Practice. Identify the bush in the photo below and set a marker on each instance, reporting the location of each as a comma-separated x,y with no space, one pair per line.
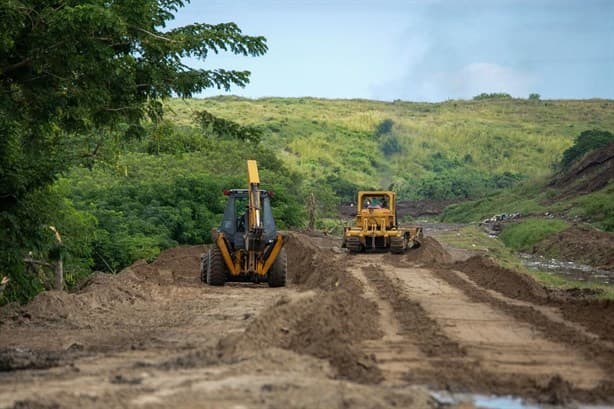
492,95
384,127
390,145
585,142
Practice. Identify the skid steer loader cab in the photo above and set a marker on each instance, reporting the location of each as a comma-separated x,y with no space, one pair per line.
235,221
247,245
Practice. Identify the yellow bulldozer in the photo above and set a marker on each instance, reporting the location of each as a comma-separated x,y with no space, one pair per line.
376,226
247,245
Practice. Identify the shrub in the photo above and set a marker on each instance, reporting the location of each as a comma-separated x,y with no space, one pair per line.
492,95
585,142
384,127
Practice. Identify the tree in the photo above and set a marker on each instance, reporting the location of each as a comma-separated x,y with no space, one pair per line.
587,141
70,67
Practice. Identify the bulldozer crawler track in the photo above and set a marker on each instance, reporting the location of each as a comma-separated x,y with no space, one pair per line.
353,244
398,245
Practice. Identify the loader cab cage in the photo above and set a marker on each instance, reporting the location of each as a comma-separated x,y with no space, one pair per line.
235,220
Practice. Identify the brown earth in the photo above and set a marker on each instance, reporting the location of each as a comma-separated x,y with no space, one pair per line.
591,173
364,331
580,244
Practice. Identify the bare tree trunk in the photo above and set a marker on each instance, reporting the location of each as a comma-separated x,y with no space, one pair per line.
59,264
59,274
312,212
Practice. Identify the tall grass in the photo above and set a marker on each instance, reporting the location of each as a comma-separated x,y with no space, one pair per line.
522,236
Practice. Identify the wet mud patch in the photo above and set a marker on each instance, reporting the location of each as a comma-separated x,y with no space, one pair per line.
580,244
453,369
414,321
328,324
576,305
592,349
486,273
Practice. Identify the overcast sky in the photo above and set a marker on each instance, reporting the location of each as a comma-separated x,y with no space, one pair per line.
421,50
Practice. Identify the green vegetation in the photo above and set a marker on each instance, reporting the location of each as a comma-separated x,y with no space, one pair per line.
493,95
452,150
521,236
76,79
86,147
584,143
537,197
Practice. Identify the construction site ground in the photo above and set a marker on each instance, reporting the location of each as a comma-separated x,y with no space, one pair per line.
349,331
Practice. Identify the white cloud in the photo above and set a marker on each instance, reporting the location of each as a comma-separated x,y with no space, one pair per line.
488,77
464,83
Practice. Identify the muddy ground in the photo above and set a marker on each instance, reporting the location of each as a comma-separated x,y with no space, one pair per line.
365,331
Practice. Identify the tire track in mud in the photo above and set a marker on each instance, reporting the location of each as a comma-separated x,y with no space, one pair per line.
591,348
445,362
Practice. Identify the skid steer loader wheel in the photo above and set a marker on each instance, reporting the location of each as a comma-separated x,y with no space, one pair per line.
277,273
216,269
204,263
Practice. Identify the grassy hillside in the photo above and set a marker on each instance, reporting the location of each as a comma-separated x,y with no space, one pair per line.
454,149
130,198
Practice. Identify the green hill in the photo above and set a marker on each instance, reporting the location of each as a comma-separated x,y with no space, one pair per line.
129,198
449,150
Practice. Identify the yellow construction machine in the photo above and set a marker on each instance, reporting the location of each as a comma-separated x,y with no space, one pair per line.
376,226
247,245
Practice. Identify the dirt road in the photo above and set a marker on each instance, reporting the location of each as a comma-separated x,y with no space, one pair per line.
367,330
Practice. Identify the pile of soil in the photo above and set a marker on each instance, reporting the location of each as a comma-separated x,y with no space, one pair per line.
590,174
430,252
577,306
328,324
486,273
580,244
312,267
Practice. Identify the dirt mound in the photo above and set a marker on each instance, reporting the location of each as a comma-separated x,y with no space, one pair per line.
176,265
311,266
430,252
102,292
590,174
581,245
485,272
327,324
576,305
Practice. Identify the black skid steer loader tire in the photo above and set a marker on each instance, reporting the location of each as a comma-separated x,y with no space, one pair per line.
204,264
277,273
216,268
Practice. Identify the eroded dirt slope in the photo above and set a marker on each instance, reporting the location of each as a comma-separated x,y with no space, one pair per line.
367,330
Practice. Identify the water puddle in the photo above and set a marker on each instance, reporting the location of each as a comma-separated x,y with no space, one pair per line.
483,401
500,402
567,269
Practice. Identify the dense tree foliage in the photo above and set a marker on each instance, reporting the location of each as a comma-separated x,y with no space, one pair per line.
584,143
492,95
75,75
